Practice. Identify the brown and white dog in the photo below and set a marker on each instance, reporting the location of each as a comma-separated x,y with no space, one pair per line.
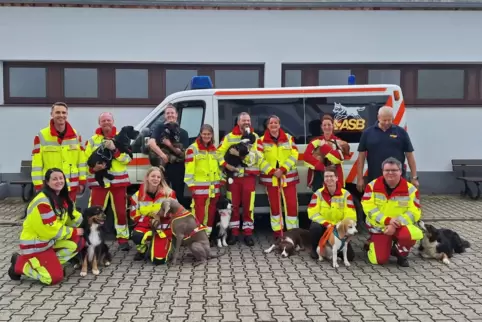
337,241
343,145
293,240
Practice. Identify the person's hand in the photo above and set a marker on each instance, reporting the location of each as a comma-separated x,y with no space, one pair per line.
79,231
154,222
390,230
278,173
233,151
99,166
415,182
395,223
231,168
164,157
109,144
360,183
178,151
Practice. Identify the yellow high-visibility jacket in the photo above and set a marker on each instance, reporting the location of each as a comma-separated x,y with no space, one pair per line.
403,204
330,210
119,162
67,154
254,160
42,227
202,172
282,154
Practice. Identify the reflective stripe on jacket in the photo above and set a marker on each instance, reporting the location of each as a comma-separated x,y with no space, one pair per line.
403,204
330,210
50,151
252,159
282,154
119,162
202,174
332,154
143,207
42,227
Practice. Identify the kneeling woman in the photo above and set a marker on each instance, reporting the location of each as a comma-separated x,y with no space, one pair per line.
151,242
329,205
50,236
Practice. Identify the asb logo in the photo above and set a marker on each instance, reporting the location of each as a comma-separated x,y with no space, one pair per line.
348,118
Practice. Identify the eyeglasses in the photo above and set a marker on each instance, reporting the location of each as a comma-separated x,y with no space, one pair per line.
391,170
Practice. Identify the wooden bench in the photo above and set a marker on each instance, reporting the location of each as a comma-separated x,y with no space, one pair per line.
25,181
471,171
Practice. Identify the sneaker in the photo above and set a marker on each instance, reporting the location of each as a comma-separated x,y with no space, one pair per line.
232,240
11,271
403,262
124,247
139,256
249,241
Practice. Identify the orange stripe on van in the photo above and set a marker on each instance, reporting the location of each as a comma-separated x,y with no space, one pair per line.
300,91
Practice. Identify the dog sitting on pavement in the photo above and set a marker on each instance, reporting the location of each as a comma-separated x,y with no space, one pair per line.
220,229
187,231
440,243
337,239
292,240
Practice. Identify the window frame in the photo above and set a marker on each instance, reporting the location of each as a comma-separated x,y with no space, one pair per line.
106,81
408,80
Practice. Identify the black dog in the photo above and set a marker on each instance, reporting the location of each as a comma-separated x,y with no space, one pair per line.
220,227
172,132
122,142
441,243
247,140
96,250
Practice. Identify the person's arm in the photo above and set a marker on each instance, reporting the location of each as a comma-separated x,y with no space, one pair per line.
350,210
222,149
414,212
362,151
371,209
37,164
408,149
76,221
291,162
309,160
157,130
314,210
82,163
48,227
134,208
190,166
184,138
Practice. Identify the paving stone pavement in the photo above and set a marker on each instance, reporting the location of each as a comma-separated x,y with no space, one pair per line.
248,285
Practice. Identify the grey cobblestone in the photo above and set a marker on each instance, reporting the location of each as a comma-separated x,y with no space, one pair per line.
248,285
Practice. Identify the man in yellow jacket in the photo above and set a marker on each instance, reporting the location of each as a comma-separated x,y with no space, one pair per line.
59,146
392,206
115,190
242,190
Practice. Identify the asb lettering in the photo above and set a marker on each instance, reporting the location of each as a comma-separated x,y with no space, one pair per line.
350,125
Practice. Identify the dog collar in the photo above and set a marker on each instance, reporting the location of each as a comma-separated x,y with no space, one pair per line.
343,240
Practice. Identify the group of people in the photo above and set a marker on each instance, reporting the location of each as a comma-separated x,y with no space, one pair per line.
59,171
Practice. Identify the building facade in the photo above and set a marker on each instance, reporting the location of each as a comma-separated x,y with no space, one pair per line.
126,60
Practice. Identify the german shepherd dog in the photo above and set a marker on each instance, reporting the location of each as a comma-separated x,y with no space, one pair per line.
96,250
122,142
247,140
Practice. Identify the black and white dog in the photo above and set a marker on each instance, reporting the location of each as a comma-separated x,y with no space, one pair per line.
96,250
122,142
172,132
440,243
247,140
220,230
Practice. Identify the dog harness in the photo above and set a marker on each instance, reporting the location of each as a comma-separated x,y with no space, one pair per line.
182,213
326,236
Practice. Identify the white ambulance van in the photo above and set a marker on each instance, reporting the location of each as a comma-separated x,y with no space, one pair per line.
354,108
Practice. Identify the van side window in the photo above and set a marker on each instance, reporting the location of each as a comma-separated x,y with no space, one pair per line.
289,110
191,117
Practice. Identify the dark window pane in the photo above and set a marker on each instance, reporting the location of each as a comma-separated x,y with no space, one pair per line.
28,82
328,77
178,79
132,83
441,84
289,110
236,78
384,76
292,78
80,82
352,115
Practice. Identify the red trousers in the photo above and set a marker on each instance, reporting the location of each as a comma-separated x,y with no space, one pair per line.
205,210
290,202
242,193
380,245
118,196
46,266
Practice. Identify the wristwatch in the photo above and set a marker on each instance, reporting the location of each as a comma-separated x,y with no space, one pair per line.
415,178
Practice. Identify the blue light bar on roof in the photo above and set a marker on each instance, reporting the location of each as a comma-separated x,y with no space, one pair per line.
201,82
351,80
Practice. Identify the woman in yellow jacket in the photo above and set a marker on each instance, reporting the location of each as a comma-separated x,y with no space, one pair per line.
202,176
50,236
144,204
329,205
280,151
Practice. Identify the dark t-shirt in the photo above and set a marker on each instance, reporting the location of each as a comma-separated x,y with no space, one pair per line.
380,145
157,130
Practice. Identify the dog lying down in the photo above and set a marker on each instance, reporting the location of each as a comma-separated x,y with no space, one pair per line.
338,241
440,243
187,231
122,142
293,240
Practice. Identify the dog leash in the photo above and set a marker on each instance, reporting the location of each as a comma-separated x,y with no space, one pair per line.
280,194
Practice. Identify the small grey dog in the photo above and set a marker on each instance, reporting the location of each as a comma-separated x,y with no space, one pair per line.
187,231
